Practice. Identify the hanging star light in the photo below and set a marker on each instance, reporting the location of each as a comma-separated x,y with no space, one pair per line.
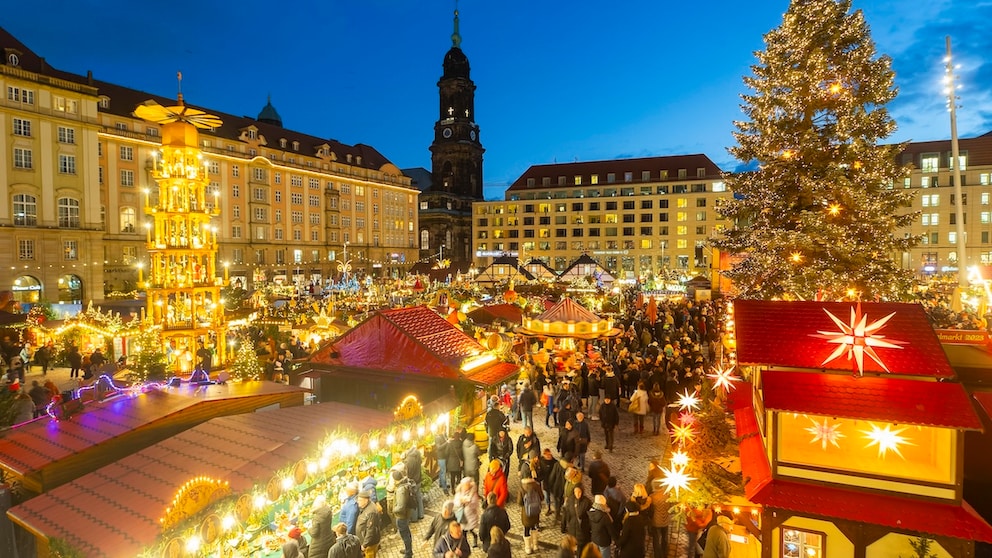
687,401
675,479
687,418
825,433
680,459
682,433
858,338
723,379
886,439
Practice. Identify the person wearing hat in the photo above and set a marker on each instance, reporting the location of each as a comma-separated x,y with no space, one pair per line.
496,483
602,531
295,545
349,507
347,545
718,538
368,528
402,508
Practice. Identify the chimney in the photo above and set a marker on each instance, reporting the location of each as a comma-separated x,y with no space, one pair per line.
89,77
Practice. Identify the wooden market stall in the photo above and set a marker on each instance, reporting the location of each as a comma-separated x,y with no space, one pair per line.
144,500
44,453
852,434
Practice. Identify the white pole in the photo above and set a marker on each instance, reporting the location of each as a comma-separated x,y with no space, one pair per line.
956,171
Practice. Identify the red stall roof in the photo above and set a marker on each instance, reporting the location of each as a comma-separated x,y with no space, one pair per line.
883,398
813,337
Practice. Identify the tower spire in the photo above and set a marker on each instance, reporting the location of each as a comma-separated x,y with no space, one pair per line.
179,96
456,38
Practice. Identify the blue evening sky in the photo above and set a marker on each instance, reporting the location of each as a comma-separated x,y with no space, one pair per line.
557,80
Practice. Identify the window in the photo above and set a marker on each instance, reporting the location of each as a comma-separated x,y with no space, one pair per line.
127,153
277,216
70,250
799,543
930,162
67,135
296,199
297,217
128,220
297,235
23,158
127,178
346,189
314,201
67,164
278,195
700,215
213,167
952,238
315,218
628,176
985,198
68,209
129,254
121,126
236,231
20,95
25,249
296,180
22,127
930,200
260,175
235,191
278,233
25,210
261,214
258,194
314,183
238,255
235,171
236,211
930,219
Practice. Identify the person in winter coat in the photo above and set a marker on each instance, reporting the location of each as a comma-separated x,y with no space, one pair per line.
454,543
573,478
500,547
546,466
659,520
496,484
568,548
369,524
631,540
695,521
470,458
347,545
503,449
530,491
468,508
322,535
657,405
609,419
575,520
611,385
639,407
602,530
528,445
295,545
441,454
557,483
403,509
414,472
718,539
526,402
349,508
454,463
439,525
616,500
599,473
493,516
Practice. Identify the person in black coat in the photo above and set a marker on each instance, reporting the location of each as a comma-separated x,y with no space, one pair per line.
322,535
609,418
454,463
575,520
602,532
632,533
493,516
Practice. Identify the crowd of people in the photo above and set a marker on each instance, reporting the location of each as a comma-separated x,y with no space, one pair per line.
565,492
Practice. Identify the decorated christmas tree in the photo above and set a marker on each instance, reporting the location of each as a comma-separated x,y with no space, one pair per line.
245,365
820,215
146,360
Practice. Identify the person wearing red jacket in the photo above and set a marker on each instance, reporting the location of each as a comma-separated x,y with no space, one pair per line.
495,483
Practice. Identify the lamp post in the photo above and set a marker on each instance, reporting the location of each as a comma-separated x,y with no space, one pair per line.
956,167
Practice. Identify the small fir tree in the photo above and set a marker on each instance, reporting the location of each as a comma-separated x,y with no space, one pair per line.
245,365
146,360
820,215
921,548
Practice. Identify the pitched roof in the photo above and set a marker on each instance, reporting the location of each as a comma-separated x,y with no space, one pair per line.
115,510
420,343
761,324
568,311
883,398
493,273
488,314
573,270
905,515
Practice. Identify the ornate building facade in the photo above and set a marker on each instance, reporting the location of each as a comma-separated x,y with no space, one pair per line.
75,162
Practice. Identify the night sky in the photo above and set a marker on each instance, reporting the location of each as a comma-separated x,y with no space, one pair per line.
557,81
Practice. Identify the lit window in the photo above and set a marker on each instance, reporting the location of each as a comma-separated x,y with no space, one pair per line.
930,162
68,209
25,249
797,543
67,164
70,249
25,209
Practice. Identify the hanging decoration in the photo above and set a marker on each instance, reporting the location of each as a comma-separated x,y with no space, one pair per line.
886,439
825,433
858,338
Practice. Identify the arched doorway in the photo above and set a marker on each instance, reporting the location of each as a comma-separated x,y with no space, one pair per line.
70,289
27,289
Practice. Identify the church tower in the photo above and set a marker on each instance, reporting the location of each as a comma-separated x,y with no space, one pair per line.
456,153
455,179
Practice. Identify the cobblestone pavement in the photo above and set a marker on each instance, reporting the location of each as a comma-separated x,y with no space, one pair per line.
628,463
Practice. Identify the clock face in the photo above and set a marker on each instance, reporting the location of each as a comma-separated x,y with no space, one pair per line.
446,133
472,133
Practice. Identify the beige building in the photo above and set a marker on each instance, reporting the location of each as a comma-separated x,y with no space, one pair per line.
76,164
636,217
931,177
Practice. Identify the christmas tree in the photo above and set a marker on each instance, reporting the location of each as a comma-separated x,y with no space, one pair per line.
245,365
146,360
820,215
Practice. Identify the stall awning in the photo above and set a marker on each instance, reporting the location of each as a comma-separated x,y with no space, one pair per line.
884,398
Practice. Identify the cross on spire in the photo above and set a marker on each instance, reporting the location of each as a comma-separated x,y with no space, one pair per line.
456,38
